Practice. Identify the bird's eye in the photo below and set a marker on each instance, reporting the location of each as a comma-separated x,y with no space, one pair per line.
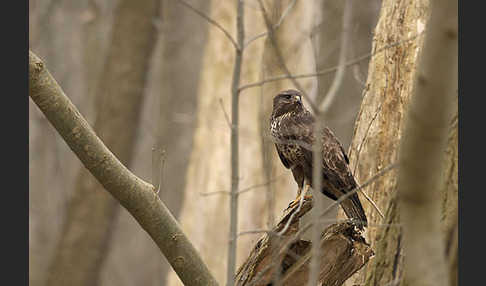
288,96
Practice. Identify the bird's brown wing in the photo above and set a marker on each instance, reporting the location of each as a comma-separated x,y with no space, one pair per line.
337,177
335,168
284,160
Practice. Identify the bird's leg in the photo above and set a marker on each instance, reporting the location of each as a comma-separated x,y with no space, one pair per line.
301,196
296,200
307,194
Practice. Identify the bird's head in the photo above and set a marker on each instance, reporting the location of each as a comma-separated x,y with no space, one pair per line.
287,101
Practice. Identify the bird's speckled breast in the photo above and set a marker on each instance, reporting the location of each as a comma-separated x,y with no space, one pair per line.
292,152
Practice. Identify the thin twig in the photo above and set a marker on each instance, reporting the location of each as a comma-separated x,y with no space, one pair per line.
275,27
338,79
211,21
254,231
350,193
259,185
372,203
327,70
158,162
280,57
358,76
365,136
244,190
204,194
224,112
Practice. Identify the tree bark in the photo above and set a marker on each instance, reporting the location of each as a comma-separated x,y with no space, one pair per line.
422,148
137,196
343,252
378,131
206,217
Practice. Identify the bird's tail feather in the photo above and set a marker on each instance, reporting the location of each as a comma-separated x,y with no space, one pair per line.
353,209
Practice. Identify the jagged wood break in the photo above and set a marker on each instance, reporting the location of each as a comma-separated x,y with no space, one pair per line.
343,252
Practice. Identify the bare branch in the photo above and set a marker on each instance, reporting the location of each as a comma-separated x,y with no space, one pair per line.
365,136
280,58
244,190
328,70
235,94
259,185
360,187
136,195
275,27
255,231
338,79
214,193
372,203
158,162
224,112
211,21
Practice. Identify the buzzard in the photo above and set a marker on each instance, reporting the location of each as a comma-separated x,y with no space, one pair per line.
292,128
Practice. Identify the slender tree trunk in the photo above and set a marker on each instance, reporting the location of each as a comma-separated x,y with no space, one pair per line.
378,131
167,123
206,218
91,212
209,169
292,36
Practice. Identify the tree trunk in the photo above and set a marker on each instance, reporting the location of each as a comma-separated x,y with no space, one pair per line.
326,37
208,168
167,122
422,149
206,218
295,20
378,131
91,212
55,29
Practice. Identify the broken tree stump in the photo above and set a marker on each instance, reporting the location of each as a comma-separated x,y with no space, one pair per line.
343,252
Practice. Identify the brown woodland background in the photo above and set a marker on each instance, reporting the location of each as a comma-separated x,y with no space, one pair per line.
153,75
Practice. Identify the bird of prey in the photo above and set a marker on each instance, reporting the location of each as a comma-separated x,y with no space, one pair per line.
292,128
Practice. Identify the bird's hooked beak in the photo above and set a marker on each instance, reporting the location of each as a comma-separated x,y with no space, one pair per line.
298,99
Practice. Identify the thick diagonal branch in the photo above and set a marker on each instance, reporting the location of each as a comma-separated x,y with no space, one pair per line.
136,195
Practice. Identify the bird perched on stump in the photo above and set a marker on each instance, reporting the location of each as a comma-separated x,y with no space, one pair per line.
292,128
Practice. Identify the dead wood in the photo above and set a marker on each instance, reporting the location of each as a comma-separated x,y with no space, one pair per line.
343,252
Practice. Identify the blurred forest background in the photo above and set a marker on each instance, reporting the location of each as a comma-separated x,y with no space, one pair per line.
155,75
